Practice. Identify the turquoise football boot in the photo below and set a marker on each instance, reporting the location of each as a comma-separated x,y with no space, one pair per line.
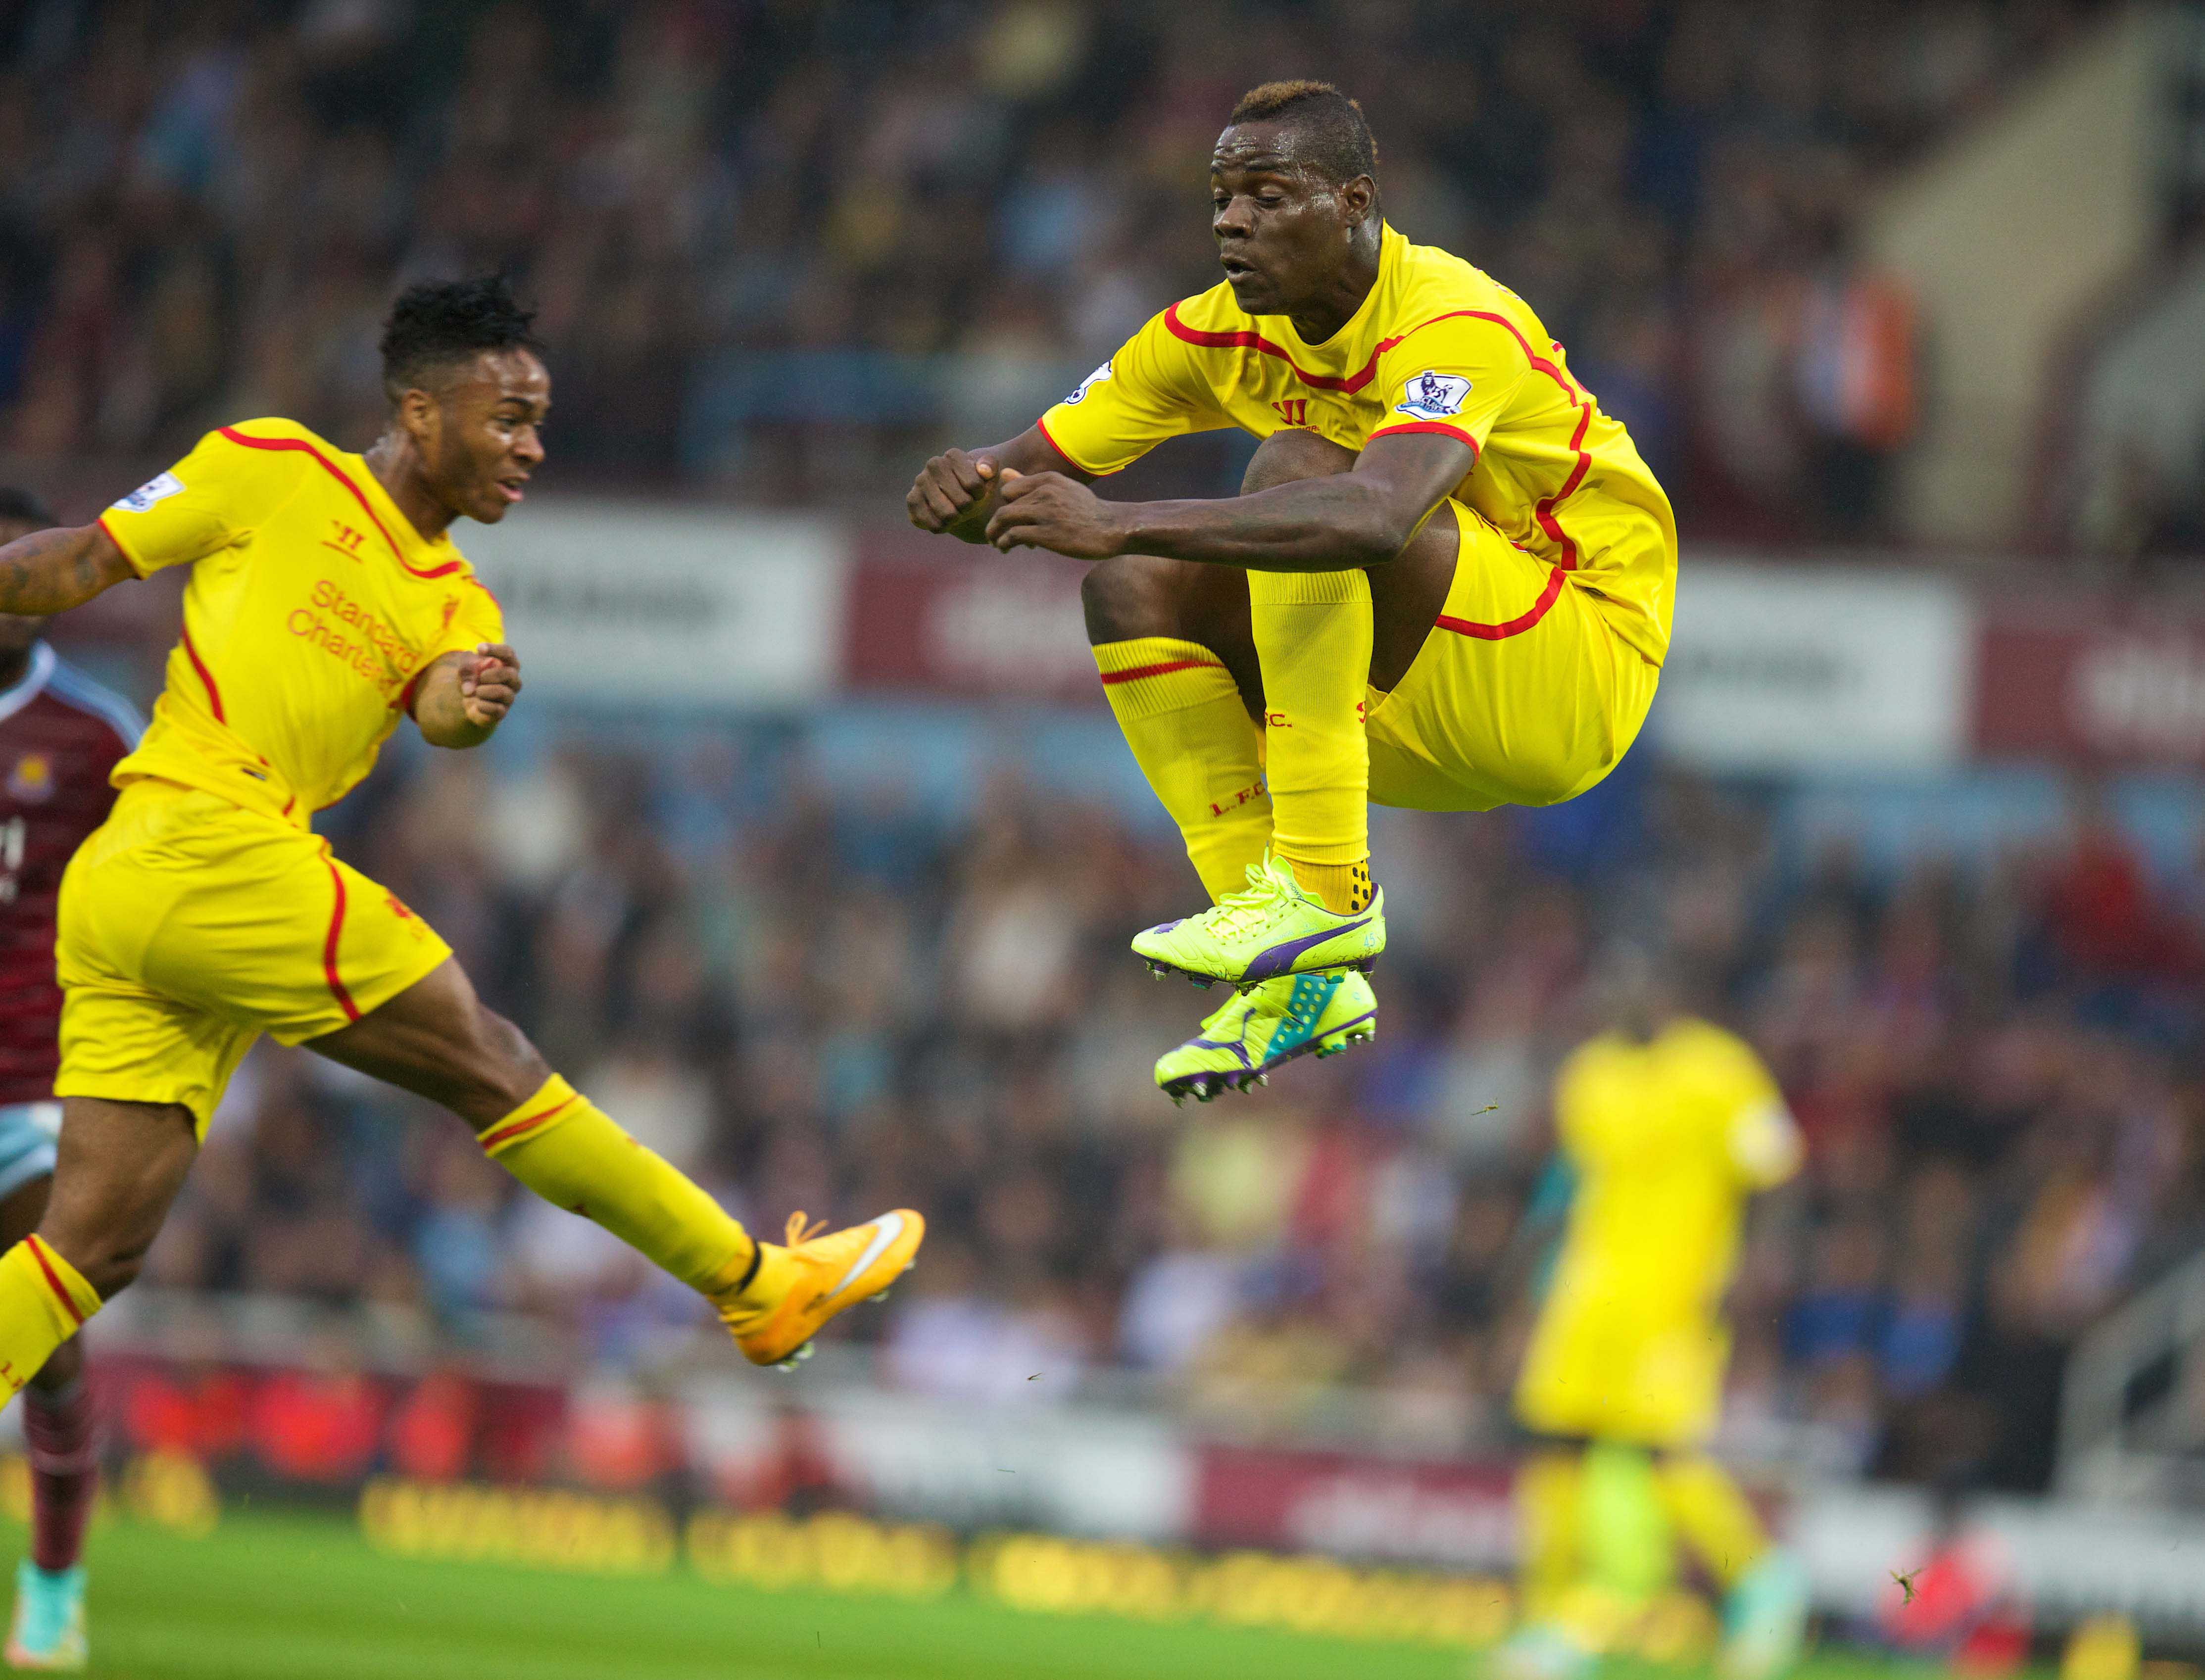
1765,1619
48,1632
1269,928
1306,1014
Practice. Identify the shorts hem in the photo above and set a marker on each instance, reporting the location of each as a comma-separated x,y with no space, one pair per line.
367,998
102,1090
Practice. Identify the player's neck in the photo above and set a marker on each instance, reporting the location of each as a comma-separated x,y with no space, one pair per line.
15,664
1344,289
397,466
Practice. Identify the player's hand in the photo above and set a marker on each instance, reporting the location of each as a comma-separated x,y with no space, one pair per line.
1047,510
951,494
489,682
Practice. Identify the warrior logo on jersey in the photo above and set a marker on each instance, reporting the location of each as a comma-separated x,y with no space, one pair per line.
1089,382
32,782
1433,396
155,489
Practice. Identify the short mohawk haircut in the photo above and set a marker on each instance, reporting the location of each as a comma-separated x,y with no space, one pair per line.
440,321
1334,136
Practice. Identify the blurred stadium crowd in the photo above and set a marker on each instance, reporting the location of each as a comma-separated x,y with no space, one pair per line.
841,1004
774,241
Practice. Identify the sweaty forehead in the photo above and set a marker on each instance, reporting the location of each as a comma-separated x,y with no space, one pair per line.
1256,148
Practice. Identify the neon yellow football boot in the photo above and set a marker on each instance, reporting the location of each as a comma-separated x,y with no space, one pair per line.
799,1286
1269,928
1296,1015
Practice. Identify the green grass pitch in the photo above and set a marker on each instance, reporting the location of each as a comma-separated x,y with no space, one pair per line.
295,1598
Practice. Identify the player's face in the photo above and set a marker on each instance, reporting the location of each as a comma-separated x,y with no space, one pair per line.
17,632
486,438
1282,230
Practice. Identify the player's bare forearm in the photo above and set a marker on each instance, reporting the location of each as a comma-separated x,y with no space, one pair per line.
1333,523
54,570
956,492
465,696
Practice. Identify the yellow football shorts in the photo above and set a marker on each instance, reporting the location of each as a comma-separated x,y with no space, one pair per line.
188,927
1522,694
1614,1369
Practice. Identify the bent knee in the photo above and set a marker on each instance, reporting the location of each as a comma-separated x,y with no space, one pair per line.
495,1069
1130,595
1287,457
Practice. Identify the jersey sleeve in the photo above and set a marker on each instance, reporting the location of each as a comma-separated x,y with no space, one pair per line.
479,619
203,503
1455,376
1151,390
1760,1136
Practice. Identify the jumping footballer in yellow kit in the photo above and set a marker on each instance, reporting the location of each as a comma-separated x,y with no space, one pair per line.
1666,1127
327,602
1446,585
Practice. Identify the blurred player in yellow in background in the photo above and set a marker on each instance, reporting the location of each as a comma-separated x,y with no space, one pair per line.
1667,1125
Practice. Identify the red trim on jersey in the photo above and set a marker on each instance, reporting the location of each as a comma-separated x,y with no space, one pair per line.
1254,340
406,695
1539,363
38,1253
329,949
1163,670
1439,426
1544,513
214,694
1071,460
135,570
1515,626
513,1129
298,445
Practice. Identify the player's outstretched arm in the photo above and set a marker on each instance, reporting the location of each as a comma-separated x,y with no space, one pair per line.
956,493
51,570
1349,519
465,696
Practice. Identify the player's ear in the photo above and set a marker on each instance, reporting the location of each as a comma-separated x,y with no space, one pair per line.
1356,198
418,417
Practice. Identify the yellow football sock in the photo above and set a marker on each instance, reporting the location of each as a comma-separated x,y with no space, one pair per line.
1194,740
1715,1518
571,1153
1313,632
1549,1508
44,1300
1628,1549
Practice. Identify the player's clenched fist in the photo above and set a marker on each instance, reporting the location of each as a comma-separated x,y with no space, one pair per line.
954,494
490,683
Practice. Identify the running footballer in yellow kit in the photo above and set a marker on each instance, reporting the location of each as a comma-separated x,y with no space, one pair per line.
1446,585
327,603
1665,1127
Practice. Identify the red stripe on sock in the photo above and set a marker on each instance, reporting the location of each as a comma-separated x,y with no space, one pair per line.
38,1253
1162,670
511,1129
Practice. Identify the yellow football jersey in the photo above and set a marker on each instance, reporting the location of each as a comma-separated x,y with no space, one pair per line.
313,607
1669,1139
1437,346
